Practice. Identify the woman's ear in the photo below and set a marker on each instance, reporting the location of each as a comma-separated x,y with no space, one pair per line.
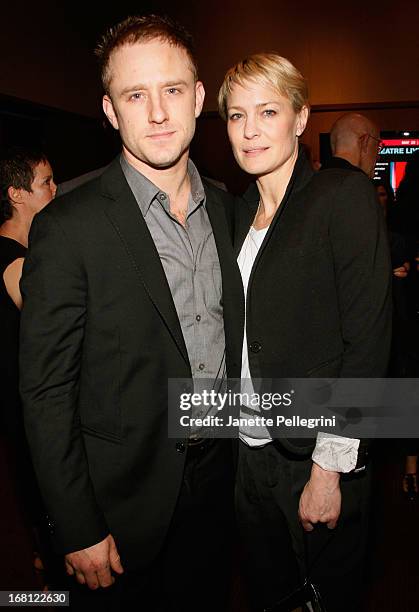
302,119
15,195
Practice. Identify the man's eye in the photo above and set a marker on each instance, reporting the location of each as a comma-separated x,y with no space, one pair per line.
173,90
235,116
269,112
136,96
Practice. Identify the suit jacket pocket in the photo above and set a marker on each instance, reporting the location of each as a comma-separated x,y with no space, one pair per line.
302,250
326,369
103,435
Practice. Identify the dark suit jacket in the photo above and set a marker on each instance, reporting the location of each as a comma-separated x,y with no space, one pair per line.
99,339
319,296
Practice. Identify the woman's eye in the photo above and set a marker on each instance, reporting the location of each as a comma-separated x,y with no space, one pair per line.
269,112
235,116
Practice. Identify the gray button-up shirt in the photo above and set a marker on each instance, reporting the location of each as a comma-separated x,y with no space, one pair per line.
190,261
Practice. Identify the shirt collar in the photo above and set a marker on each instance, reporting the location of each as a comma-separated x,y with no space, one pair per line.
145,191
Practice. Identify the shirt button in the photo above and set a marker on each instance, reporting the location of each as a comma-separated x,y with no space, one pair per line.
201,366
180,447
198,317
255,347
162,196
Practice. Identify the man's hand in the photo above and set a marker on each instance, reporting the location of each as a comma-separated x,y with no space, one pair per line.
92,566
320,500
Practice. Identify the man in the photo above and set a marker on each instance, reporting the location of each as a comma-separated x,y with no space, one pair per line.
355,142
122,291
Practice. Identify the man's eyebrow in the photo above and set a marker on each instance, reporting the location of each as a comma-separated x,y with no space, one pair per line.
174,83
142,87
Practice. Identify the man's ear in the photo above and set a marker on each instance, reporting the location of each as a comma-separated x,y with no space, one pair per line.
363,143
302,119
109,111
199,98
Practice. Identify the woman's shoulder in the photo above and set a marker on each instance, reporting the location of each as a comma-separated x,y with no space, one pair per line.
10,250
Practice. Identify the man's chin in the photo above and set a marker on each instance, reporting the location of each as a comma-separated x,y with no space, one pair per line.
162,162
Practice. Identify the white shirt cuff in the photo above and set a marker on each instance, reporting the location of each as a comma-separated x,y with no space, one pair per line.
336,453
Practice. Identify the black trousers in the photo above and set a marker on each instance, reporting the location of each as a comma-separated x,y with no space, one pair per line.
193,571
276,557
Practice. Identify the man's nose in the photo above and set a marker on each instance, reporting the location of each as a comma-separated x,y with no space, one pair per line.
157,110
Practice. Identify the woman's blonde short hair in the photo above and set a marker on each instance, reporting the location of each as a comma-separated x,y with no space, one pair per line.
268,69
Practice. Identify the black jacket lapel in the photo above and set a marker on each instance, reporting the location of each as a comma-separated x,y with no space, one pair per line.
128,221
233,297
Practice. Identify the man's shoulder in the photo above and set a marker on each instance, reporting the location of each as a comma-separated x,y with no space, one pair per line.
86,199
342,177
216,190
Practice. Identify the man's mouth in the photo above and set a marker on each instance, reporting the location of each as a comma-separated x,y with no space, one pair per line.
161,135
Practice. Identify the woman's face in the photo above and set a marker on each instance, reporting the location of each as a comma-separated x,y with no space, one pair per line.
263,128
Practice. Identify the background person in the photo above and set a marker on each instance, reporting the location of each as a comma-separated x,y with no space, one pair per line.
355,142
27,185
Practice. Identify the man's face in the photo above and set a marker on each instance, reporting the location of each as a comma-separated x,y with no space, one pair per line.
154,102
43,188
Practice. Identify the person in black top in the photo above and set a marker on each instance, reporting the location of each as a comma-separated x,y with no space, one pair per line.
313,255
27,185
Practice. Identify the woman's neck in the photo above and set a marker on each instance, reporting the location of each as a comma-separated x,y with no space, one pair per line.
17,230
272,188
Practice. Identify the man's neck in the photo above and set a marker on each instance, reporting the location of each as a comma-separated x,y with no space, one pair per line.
350,156
173,180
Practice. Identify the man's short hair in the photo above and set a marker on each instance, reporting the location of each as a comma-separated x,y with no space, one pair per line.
17,167
142,28
268,69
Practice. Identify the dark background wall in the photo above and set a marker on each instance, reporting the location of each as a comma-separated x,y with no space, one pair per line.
362,55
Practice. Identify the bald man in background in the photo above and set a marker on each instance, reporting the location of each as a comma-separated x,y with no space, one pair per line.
355,142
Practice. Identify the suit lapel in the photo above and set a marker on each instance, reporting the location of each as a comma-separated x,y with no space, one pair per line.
128,221
245,213
233,297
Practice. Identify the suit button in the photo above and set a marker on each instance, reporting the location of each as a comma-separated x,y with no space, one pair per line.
255,347
180,447
51,525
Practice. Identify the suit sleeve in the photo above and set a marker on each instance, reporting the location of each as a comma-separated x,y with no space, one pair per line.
363,278
363,284
54,289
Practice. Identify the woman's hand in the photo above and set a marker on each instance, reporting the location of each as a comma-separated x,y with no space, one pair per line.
320,501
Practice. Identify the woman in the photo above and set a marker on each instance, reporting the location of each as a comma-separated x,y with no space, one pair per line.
27,185
314,262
